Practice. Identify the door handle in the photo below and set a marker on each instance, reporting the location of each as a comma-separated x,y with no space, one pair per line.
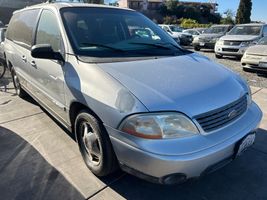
33,63
24,58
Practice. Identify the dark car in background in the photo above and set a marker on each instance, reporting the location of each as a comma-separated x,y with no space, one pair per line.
209,37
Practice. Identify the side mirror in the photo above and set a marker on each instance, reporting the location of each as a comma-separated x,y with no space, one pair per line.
45,51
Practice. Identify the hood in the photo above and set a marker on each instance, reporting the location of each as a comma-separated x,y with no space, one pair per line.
210,35
191,84
182,33
257,50
240,37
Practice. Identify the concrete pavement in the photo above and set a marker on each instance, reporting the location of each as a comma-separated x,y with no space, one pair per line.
40,160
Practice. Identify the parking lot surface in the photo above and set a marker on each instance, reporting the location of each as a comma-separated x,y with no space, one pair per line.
40,160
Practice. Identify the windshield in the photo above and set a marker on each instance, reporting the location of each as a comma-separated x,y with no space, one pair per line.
175,29
263,41
109,32
246,30
216,30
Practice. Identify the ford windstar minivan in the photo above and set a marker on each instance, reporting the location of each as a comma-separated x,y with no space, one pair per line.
133,99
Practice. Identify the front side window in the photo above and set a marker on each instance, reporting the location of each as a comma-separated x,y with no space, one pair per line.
246,30
109,32
48,31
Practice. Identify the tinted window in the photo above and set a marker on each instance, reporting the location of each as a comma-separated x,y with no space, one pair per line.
265,31
21,27
48,31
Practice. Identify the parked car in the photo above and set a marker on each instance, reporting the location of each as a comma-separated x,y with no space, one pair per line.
140,103
255,56
236,42
209,37
193,32
175,31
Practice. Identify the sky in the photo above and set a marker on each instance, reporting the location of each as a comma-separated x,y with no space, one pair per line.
259,8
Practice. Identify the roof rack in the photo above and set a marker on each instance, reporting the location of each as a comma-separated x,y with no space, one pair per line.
66,1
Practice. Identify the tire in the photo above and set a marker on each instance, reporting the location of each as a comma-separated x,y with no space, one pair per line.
219,56
2,68
196,48
19,91
94,144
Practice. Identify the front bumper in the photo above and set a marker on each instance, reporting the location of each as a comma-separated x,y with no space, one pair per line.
204,45
193,155
230,50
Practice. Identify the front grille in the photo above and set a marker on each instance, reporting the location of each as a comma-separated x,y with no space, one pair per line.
230,50
232,43
220,117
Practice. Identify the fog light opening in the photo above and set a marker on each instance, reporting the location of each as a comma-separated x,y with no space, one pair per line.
173,179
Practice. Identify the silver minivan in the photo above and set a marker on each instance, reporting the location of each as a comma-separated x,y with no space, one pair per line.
133,100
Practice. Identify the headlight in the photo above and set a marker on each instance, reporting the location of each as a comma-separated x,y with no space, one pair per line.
214,39
246,86
219,42
263,64
159,126
248,43
196,39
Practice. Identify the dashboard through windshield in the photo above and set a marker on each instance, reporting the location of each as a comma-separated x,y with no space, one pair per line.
111,32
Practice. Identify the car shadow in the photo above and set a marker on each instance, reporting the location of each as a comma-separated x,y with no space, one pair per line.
244,178
25,174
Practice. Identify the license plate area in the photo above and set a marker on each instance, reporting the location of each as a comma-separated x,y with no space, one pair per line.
244,144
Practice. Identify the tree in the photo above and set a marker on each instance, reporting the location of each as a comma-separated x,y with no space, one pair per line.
244,12
229,17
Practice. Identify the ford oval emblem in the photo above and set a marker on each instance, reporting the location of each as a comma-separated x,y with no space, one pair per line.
232,114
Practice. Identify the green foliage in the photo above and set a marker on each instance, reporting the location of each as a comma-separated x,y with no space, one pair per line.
191,23
184,22
244,12
200,13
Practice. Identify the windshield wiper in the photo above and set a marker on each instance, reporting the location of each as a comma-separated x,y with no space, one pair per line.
152,44
101,45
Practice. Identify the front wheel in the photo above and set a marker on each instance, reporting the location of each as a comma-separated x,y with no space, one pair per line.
196,48
219,56
94,144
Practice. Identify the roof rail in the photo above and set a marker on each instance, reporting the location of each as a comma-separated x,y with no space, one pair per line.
66,1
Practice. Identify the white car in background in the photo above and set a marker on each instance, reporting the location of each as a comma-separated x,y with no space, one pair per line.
242,36
177,32
255,58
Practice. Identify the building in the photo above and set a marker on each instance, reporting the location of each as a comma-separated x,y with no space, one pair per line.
155,4
7,7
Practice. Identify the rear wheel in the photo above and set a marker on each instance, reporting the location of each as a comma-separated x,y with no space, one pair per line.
196,48
95,145
2,68
19,91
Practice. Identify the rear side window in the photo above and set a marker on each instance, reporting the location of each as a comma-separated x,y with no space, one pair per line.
265,31
21,27
48,31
